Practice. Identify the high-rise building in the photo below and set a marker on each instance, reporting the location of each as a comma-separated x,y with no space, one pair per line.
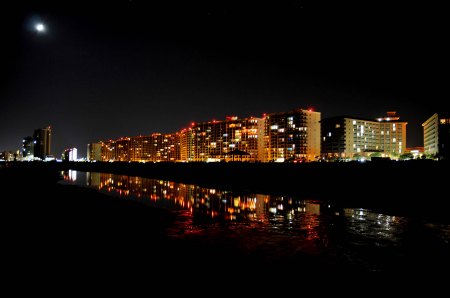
225,140
108,150
70,154
94,151
436,136
156,147
151,148
186,145
42,142
392,135
348,137
275,137
292,135
28,148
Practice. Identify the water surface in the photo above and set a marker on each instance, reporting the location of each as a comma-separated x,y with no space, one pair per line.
275,227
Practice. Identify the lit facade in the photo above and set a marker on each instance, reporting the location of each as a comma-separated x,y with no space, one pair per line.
42,146
70,154
349,137
94,151
107,150
216,140
436,136
292,135
276,137
151,148
392,135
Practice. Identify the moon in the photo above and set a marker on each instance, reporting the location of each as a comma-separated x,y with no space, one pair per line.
40,27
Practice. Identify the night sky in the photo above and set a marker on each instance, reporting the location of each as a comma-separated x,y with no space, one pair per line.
126,68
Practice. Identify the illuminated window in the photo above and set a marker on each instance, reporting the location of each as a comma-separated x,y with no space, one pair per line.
329,134
354,122
274,127
393,140
338,125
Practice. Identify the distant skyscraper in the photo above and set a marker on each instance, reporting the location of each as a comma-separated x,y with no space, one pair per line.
436,136
42,142
28,147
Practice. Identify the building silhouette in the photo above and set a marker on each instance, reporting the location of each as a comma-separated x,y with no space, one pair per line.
28,148
42,142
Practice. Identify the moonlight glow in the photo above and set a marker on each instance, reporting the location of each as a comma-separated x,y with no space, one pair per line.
40,27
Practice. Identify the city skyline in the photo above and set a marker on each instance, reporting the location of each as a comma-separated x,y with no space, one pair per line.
96,74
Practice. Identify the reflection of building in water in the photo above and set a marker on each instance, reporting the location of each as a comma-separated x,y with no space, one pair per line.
261,205
312,208
211,203
200,201
367,215
93,179
70,175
